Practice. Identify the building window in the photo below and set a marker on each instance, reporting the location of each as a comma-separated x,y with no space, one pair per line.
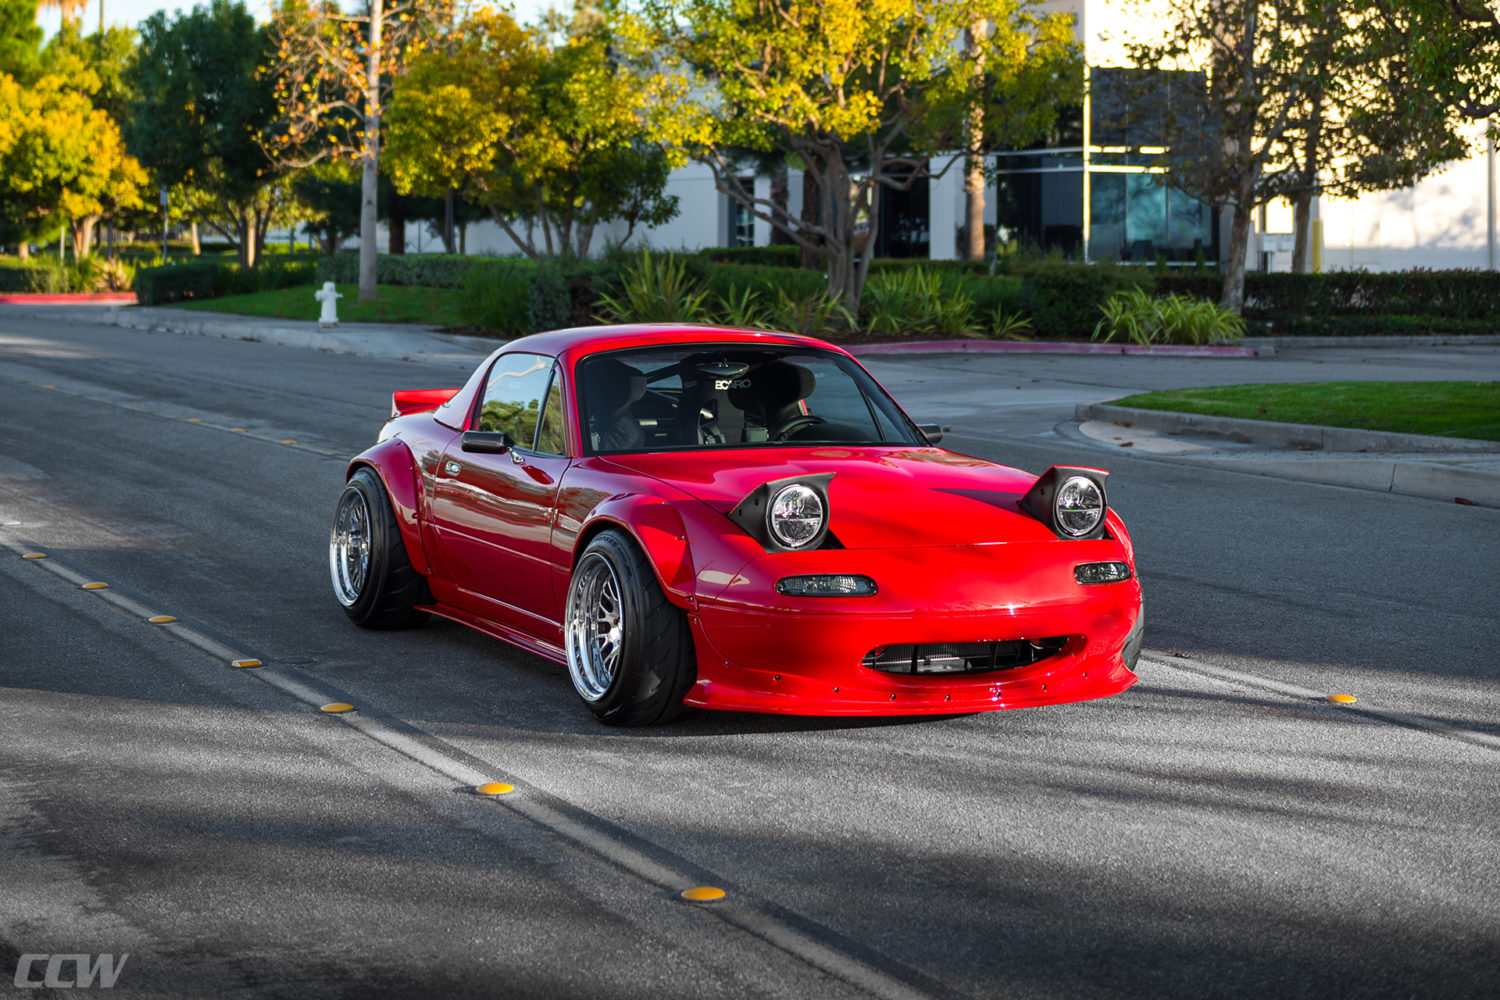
741,221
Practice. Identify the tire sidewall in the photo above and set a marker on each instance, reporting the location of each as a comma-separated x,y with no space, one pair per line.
638,677
369,487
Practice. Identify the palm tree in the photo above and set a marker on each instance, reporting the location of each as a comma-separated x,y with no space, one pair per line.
70,9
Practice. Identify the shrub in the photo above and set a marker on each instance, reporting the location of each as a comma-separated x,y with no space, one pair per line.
427,270
550,302
497,299
656,289
36,275
1063,298
776,255
819,315
156,286
1176,319
916,300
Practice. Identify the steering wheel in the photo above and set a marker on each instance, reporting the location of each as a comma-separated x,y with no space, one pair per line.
794,425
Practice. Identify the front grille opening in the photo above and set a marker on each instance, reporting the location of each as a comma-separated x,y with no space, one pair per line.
963,657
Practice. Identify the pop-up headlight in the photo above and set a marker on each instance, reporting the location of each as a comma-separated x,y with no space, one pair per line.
786,515
1071,501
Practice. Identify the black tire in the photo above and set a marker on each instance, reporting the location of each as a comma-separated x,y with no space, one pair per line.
372,575
630,652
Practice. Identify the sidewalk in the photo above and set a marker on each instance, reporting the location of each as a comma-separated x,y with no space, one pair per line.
1436,468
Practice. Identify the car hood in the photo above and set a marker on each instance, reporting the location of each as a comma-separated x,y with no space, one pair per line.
879,497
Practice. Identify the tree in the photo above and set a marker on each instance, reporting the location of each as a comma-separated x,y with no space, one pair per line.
863,93
199,112
60,157
20,37
1295,104
1449,53
550,138
333,82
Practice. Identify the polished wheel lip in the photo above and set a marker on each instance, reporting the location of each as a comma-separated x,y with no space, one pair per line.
594,629
349,547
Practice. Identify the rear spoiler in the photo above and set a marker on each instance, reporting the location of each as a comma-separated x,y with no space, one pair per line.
404,401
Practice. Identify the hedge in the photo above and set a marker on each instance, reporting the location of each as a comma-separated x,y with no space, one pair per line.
1063,299
155,286
427,270
1358,302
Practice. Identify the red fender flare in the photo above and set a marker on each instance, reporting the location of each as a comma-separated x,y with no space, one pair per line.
394,463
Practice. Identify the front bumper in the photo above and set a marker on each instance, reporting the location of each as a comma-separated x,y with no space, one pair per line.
760,651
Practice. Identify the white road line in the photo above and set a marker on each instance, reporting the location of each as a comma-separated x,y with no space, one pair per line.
1433,726
147,410
803,946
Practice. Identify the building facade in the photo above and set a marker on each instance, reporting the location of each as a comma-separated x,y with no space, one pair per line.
1094,194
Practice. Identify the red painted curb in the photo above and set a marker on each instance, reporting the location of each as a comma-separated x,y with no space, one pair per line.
1032,347
65,298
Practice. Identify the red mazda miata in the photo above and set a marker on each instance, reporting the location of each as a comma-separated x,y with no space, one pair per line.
733,519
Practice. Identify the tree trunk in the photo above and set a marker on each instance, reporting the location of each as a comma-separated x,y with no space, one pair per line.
463,239
370,173
974,185
448,222
83,236
1301,230
23,249
811,197
781,190
1233,297
194,236
395,224
248,239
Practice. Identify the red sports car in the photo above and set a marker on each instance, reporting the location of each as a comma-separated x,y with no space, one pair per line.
733,519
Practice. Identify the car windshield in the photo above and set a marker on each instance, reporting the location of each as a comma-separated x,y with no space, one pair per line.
695,396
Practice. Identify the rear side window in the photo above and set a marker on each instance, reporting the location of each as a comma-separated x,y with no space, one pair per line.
513,396
550,436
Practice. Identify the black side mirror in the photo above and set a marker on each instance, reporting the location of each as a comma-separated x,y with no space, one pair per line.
487,442
933,432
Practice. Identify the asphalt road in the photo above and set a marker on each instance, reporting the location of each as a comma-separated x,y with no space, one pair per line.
1218,830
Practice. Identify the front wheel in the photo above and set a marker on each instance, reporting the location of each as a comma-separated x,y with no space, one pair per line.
630,653
372,575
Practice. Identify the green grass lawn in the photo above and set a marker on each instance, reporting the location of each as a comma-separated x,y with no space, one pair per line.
393,304
1444,409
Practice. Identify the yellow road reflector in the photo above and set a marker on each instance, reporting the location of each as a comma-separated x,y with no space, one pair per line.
49,387
160,619
195,420
290,441
35,555
256,663
1343,699
495,788
96,585
703,894
337,706
238,430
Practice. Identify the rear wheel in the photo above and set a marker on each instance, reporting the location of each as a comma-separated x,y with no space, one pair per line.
630,653
372,576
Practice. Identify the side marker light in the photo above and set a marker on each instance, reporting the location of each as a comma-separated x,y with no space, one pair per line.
703,894
334,707
96,585
1342,699
495,788
160,619
35,555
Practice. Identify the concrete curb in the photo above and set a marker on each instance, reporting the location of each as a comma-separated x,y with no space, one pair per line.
1040,347
67,298
1305,436
1274,344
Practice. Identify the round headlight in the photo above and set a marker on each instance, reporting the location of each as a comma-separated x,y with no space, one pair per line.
1079,506
795,516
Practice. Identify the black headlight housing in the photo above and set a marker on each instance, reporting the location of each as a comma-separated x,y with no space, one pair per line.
786,515
1070,500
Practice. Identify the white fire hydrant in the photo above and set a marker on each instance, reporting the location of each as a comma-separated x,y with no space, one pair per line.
330,300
